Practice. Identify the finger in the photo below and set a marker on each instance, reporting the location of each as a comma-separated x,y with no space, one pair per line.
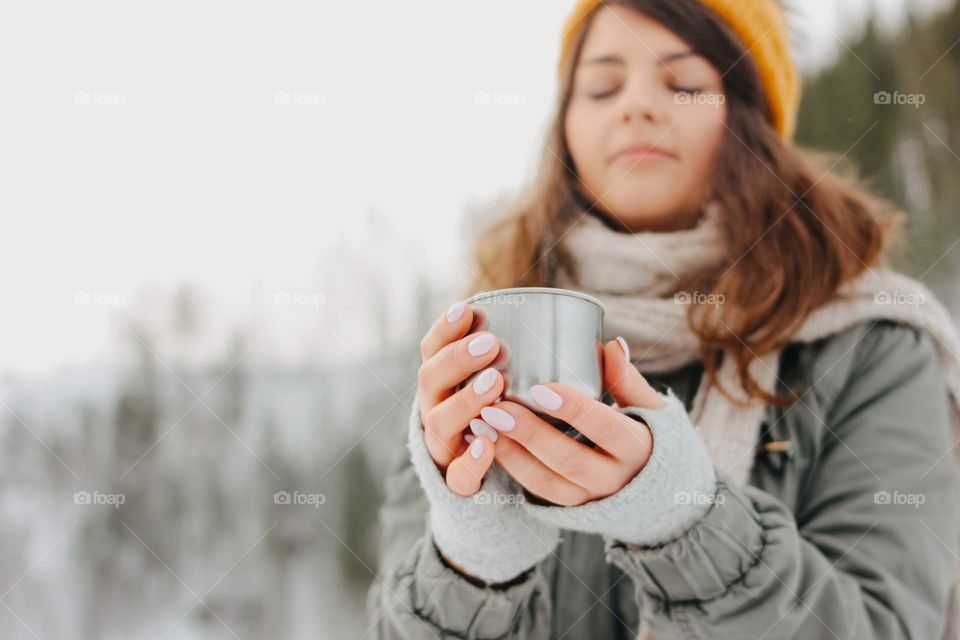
446,421
502,364
480,428
571,459
626,384
465,473
619,435
479,320
537,478
453,363
452,325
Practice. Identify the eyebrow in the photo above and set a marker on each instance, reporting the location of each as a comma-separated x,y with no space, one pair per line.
612,58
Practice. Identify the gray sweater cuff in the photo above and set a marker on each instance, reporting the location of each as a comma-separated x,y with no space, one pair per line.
488,534
664,500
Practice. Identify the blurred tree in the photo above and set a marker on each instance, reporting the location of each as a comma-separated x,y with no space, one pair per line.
893,102
359,497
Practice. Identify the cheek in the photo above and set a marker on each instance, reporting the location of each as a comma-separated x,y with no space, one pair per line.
702,139
585,139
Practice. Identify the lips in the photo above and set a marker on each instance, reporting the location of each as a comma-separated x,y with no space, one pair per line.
642,153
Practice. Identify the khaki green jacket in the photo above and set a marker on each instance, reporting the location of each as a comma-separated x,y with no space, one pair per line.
852,533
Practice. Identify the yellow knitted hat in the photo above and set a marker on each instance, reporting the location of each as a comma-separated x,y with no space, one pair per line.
761,25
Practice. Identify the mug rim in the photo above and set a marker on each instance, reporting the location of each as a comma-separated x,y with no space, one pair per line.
547,290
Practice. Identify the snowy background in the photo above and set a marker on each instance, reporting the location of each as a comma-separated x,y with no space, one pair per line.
225,229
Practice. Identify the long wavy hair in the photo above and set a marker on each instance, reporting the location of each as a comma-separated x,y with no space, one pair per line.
798,223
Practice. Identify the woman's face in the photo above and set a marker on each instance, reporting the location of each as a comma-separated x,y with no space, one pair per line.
638,84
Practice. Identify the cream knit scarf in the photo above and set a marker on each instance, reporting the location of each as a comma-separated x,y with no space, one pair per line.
633,275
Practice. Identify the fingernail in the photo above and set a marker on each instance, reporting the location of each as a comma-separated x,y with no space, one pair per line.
485,381
469,438
481,344
481,428
454,313
476,449
498,418
546,397
626,348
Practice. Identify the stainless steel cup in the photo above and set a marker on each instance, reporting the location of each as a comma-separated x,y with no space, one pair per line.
546,335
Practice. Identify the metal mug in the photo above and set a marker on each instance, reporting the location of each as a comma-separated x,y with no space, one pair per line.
546,335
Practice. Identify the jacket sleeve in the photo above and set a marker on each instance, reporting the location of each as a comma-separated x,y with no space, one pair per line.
869,552
417,595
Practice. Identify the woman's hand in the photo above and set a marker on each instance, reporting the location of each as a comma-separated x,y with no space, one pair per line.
561,470
448,358
482,535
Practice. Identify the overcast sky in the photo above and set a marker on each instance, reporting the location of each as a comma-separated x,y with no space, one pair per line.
239,148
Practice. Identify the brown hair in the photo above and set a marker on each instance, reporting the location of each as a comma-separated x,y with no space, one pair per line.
796,229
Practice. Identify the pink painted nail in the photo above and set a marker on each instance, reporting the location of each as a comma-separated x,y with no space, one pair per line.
498,418
546,397
481,428
481,344
469,438
626,348
456,311
484,381
476,449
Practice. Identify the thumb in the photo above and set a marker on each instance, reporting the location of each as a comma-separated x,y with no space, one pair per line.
626,384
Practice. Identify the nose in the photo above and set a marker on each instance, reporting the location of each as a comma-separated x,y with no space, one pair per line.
638,102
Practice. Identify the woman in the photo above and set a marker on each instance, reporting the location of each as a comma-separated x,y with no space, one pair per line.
794,476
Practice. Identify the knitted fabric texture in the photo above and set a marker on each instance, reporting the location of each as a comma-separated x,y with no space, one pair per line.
632,275
496,534
488,534
665,499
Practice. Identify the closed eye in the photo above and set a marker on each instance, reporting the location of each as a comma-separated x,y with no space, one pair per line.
601,96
